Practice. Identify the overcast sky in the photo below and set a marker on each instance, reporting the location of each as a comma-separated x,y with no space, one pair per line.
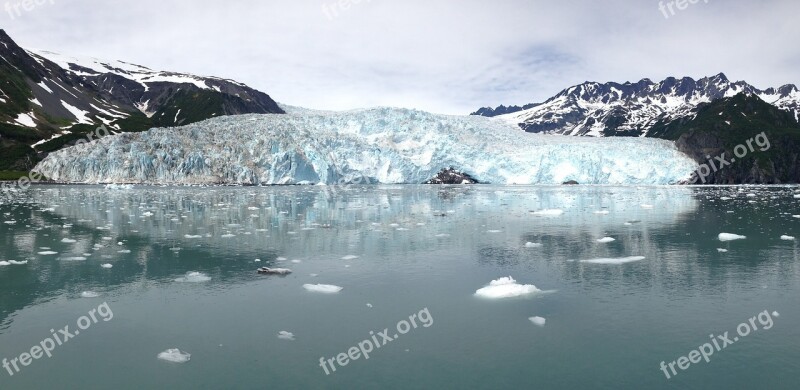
449,56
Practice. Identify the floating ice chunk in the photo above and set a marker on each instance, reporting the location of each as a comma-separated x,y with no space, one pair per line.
730,237
192,236
13,262
281,259
349,257
647,206
193,277
506,288
606,240
369,305
175,356
274,271
494,231
787,238
5,263
107,266
776,314
48,253
73,258
720,250
549,212
532,245
614,261
68,241
124,251
323,288
89,294
538,321
442,235
284,335
602,212
797,196
296,261
228,235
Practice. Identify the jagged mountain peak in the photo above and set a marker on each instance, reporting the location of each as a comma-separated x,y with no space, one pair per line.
631,109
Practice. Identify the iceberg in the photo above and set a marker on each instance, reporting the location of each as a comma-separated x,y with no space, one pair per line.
506,288
370,146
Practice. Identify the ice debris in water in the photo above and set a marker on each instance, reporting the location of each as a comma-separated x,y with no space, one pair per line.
532,245
730,237
349,257
787,238
538,321
606,240
284,335
193,277
549,212
107,266
89,294
68,241
175,355
506,288
322,288
48,253
614,261
720,250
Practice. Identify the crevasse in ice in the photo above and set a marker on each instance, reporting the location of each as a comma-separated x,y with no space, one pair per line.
381,145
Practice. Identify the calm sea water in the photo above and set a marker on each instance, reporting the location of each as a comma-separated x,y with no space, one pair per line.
608,326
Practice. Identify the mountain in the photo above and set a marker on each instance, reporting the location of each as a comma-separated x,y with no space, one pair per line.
759,142
382,145
48,100
632,109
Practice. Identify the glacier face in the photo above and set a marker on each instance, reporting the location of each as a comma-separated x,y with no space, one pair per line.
381,145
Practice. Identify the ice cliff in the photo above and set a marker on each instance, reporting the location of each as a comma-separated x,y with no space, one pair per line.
381,145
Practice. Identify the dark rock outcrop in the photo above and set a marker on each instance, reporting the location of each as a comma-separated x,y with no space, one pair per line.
452,176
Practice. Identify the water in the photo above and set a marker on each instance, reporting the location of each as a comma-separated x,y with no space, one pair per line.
607,326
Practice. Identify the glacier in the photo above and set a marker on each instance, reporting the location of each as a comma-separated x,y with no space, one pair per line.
367,146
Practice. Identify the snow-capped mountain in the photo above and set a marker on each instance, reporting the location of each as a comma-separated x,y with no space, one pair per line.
48,100
631,109
365,146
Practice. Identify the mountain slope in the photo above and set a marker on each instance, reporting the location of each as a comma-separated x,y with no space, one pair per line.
767,138
631,109
48,100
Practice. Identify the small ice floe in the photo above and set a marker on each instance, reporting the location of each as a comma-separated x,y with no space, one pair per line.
107,266
68,241
89,294
13,262
228,235
349,257
730,237
274,271
124,251
720,250
73,258
776,314
281,259
322,288
795,216
494,231
548,212
193,277
615,261
442,235
602,212
606,240
787,238
647,206
258,260
284,335
797,196
538,321
506,288
369,305
175,355
533,245
192,236
48,253
5,263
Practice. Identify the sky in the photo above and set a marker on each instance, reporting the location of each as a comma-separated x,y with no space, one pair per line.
449,57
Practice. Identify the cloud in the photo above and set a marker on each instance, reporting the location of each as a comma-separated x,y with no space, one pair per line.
449,57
